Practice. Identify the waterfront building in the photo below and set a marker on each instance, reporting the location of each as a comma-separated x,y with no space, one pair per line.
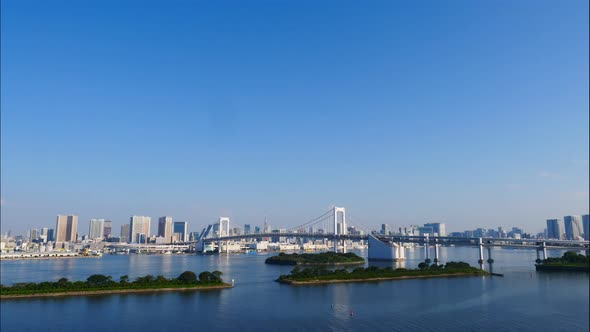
165,228
96,229
66,228
247,229
180,229
573,227
554,229
108,229
426,230
139,229
193,236
51,235
256,230
33,234
438,228
125,232
384,229
586,224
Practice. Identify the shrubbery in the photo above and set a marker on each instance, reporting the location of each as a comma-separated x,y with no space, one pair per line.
568,258
321,258
322,273
102,282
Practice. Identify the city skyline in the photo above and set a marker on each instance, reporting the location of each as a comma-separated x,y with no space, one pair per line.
165,227
454,113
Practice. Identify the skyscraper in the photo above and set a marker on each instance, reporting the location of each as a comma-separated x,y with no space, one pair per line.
66,228
165,228
246,229
96,229
139,228
438,228
33,234
586,223
108,229
125,233
573,227
181,230
554,229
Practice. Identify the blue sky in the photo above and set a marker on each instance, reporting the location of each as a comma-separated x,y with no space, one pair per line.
469,113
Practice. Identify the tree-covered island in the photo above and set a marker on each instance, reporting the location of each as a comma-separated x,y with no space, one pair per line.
101,284
325,258
570,261
321,275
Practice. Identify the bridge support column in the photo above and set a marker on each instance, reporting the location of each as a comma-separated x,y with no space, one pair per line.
427,249
336,244
490,259
544,248
436,257
480,261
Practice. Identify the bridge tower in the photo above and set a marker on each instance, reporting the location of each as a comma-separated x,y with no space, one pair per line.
223,221
342,224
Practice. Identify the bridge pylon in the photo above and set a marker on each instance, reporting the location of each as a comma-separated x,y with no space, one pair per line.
339,227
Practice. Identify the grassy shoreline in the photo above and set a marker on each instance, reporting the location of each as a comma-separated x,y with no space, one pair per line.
570,261
115,291
325,258
378,279
98,284
321,275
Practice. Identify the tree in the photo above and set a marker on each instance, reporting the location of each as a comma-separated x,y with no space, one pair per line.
216,276
423,266
161,279
187,277
98,279
124,279
205,276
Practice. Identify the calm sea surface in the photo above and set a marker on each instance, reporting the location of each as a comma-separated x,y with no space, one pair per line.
523,300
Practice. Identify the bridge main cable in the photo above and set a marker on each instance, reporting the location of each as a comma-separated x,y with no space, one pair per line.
317,219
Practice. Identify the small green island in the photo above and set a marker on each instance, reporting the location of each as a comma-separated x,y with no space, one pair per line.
325,258
321,275
570,261
101,284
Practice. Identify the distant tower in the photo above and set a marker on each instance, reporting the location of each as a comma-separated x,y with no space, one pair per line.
339,227
223,221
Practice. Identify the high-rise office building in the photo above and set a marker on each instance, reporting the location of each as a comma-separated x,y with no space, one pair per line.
554,229
125,232
139,229
385,229
66,229
438,228
165,228
573,227
96,229
181,230
586,224
246,229
33,234
51,235
108,229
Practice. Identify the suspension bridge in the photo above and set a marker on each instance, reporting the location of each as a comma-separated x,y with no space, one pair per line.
333,225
